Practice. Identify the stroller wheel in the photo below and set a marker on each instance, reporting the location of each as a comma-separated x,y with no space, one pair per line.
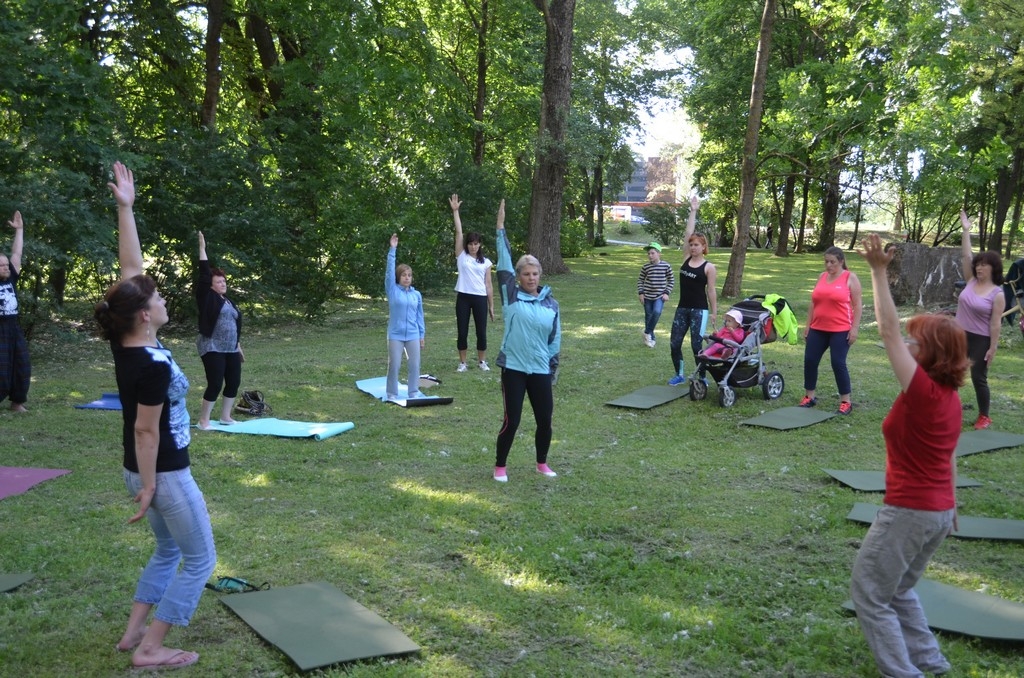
726,396
698,389
773,385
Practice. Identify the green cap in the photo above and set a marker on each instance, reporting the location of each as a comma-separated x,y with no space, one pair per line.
653,246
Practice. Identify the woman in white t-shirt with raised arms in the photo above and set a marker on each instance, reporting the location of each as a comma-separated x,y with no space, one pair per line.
474,293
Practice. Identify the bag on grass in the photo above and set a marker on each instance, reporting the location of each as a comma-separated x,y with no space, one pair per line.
235,585
252,403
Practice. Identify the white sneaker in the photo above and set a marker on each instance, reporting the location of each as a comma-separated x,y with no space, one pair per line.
484,366
647,339
650,341
414,395
461,367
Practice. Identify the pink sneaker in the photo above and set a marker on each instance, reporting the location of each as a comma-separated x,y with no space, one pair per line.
544,469
499,474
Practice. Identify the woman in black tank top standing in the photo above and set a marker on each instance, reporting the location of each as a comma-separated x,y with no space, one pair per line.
697,280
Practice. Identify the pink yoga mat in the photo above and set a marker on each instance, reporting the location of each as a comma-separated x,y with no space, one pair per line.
16,480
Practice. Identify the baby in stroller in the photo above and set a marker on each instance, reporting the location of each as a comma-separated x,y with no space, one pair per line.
733,356
731,332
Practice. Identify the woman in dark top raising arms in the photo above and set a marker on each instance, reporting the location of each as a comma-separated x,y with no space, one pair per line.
697,296
219,340
155,438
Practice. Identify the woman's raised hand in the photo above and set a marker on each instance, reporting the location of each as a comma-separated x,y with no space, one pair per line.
965,221
501,215
123,185
455,202
873,252
394,240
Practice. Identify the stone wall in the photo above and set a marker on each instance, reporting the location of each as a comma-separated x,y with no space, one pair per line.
920,275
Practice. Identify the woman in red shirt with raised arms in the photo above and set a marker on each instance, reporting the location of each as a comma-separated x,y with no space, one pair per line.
921,432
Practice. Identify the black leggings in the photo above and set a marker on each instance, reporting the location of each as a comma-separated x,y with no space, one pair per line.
222,369
477,305
514,386
977,347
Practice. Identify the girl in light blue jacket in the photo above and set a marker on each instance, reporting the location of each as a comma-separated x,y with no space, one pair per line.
529,351
406,329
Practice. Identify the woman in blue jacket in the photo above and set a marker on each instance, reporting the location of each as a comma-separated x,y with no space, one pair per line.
406,329
529,351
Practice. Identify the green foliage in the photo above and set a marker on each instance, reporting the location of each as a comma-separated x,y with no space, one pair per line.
573,236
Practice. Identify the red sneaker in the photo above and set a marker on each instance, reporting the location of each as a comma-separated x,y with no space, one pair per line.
982,423
845,407
808,401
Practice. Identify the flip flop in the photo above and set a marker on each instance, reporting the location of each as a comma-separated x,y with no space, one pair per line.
178,660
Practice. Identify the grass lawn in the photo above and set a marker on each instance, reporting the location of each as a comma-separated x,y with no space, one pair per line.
675,541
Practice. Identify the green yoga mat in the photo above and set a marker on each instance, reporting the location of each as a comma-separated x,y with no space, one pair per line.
790,417
874,481
972,442
998,529
284,428
650,396
317,625
969,613
9,582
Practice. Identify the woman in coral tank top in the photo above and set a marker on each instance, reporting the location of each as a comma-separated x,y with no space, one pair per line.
832,325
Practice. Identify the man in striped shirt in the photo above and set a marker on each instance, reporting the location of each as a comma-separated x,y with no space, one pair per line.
654,287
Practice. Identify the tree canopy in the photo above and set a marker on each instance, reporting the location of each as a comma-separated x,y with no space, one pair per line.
299,136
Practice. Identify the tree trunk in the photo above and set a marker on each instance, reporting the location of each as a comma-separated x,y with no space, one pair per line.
860,201
211,94
748,168
1006,185
549,176
480,101
830,208
786,222
805,193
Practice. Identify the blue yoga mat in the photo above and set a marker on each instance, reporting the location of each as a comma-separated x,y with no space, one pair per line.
284,428
106,401
378,388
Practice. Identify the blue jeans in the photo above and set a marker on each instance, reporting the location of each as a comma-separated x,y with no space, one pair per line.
181,525
891,560
838,346
652,314
694,320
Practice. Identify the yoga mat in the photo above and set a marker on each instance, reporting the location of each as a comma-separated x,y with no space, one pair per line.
790,417
317,625
378,388
16,480
999,529
9,582
972,442
649,396
284,428
968,612
874,481
106,401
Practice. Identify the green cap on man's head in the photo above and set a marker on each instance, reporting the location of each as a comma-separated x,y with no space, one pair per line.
653,246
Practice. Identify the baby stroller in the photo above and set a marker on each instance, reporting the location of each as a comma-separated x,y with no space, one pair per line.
744,367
